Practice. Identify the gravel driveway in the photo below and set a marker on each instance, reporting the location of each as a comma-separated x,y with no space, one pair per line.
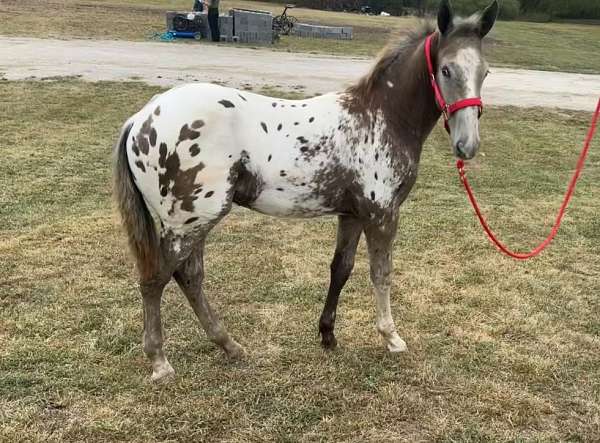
169,64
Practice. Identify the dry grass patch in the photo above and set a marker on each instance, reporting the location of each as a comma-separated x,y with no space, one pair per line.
499,350
547,46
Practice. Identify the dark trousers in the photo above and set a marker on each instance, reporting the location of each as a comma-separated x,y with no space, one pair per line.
213,22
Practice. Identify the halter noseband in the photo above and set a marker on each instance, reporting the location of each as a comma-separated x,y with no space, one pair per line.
447,110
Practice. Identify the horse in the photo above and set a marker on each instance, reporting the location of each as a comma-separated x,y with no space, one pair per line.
192,152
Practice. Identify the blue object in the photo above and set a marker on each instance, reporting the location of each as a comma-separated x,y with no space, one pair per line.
178,34
163,36
172,35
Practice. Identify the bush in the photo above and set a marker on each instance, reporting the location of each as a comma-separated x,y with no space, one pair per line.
589,9
577,9
509,9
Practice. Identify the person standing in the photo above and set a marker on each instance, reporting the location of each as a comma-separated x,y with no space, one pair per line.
198,5
213,19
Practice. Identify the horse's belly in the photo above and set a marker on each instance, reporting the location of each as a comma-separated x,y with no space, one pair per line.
278,202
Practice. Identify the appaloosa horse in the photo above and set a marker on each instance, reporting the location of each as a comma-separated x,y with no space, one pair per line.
189,154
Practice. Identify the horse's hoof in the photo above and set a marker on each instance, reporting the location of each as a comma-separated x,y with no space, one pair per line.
234,350
163,373
328,342
395,344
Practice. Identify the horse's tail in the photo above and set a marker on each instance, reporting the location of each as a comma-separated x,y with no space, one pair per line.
135,216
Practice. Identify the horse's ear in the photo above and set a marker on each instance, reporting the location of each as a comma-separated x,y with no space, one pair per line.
445,17
488,18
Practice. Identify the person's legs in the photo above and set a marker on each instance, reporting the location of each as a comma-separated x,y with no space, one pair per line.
213,22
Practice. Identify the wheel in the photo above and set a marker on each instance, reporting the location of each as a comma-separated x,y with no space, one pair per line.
277,23
180,24
286,28
288,24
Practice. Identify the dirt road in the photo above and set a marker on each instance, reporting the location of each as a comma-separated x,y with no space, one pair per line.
168,64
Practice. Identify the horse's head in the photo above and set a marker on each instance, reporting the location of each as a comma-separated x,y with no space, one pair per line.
461,70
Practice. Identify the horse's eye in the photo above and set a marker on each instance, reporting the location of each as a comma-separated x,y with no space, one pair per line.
446,72
488,72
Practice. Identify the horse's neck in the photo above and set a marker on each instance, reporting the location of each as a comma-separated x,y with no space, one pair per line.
407,98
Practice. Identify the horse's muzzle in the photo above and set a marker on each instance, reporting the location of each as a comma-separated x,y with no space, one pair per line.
466,149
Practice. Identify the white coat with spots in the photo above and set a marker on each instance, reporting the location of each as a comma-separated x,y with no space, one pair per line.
294,150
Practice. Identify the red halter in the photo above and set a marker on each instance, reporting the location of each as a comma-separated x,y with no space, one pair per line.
447,110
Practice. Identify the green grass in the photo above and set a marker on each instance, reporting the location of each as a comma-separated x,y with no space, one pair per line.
499,350
547,46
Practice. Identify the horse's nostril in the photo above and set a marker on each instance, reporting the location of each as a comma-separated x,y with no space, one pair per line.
460,148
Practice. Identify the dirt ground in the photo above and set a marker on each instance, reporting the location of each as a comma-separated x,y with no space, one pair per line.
168,64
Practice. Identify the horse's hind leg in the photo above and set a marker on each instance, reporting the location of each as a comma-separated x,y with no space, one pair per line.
174,250
153,334
348,235
189,276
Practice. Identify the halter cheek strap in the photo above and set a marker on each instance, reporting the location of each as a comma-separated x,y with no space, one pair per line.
447,109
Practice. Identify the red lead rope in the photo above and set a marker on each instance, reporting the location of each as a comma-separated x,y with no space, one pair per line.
524,256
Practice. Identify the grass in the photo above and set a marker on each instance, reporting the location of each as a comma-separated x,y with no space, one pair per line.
511,44
499,350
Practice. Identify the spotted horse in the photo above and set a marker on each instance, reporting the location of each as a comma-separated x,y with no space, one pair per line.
192,152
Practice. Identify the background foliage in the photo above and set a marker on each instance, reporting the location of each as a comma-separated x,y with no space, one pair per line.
509,9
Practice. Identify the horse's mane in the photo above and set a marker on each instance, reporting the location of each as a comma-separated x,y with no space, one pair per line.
400,52
393,52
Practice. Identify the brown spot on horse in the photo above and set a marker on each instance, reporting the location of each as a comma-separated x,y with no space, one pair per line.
181,183
194,150
187,134
152,138
227,103
143,136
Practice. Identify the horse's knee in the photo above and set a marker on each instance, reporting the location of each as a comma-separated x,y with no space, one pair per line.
341,266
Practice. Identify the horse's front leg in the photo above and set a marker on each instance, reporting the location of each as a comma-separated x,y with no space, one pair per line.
348,235
380,239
